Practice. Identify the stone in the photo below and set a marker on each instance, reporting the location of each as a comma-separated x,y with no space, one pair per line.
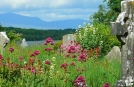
4,40
24,44
68,38
123,28
115,53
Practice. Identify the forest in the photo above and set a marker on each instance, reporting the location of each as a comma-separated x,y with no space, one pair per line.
35,34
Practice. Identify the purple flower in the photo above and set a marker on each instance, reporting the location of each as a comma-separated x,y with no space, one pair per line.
36,52
47,62
80,82
11,49
106,85
64,65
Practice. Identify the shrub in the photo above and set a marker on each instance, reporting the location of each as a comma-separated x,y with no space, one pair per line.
57,44
95,36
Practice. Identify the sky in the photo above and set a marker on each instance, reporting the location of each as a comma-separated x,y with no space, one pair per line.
50,10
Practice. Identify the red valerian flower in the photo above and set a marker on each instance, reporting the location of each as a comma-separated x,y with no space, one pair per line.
72,64
11,49
72,49
33,70
64,65
47,62
106,85
36,52
20,58
80,82
1,57
49,40
48,49
31,60
82,57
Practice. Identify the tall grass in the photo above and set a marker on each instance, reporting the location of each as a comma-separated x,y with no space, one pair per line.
96,71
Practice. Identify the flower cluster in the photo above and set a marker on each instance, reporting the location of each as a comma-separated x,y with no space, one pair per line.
36,52
49,40
64,65
11,49
106,85
80,82
47,62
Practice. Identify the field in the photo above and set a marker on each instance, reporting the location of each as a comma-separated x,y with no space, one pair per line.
44,66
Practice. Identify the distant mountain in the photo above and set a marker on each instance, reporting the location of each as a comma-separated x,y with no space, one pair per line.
16,20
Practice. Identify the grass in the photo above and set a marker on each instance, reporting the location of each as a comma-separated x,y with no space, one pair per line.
96,71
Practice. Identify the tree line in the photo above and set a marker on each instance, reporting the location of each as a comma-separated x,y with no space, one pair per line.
35,34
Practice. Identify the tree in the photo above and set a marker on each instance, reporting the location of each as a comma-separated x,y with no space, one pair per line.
107,12
2,28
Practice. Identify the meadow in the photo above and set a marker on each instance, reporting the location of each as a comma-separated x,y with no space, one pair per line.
66,66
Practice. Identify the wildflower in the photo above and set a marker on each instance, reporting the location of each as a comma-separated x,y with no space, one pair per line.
47,62
82,57
48,40
80,82
32,54
83,69
53,59
67,55
48,49
52,43
31,60
33,70
72,64
78,69
1,57
106,85
14,65
36,52
39,62
72,49
11,49
20,58
64,65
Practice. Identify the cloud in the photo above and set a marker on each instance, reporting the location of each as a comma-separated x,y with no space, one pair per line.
51,9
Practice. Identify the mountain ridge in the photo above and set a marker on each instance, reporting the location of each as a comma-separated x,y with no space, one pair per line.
16,20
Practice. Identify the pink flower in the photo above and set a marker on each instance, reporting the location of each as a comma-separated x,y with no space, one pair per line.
80,82
20,58
33,70
48,40
64,65
72,64
31,60
32,54
106,85
1,57
48,49
47,62
82,57
72,49
67,55
52,43
11,49
36,52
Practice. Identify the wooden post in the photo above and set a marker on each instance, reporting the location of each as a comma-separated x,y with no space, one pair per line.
123,28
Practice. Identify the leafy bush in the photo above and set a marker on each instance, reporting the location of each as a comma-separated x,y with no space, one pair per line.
57,44
96,36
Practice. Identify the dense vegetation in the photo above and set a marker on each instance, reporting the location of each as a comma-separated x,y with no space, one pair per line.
34,34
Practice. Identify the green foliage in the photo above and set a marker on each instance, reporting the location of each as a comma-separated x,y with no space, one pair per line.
34,34
107,12
13,36
57,45
2,28
96,36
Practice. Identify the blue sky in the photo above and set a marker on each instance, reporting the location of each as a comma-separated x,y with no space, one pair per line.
50,10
